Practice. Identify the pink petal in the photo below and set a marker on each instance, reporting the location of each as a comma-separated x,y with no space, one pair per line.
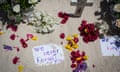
29,36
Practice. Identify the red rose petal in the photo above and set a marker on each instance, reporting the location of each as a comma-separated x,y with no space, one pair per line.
93,66
86,39
73,65
60,14
17,49
15,60
83,53
24,44
12,37
76,40
62,35
12,27
73,59
79,61
84,22
66,17
63,21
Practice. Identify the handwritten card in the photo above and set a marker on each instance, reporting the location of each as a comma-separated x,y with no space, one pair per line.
48,54
109,47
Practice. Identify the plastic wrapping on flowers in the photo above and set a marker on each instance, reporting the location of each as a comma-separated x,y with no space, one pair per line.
41,21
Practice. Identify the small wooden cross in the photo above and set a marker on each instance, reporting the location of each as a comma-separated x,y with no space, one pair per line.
80,4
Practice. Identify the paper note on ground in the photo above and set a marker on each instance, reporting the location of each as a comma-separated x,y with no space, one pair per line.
48,54
108,46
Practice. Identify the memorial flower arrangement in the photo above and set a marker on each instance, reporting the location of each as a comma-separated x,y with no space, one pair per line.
16,8
88,31
42,22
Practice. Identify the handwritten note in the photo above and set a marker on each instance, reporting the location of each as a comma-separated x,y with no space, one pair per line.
48,54
109,47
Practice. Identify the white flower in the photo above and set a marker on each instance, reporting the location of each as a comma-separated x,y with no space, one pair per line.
48,20
49,28
117,8
32,1
37,15
44,29
16,8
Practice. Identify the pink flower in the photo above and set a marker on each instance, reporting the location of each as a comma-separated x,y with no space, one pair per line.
76,40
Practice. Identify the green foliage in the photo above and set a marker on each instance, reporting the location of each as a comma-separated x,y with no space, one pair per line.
5,7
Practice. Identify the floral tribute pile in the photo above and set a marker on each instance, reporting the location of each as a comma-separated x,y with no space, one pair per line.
77,58
88,31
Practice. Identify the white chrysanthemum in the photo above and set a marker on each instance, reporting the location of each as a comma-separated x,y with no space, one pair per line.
16,8
32,1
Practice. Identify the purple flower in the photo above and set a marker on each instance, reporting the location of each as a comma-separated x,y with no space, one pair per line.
81,67
7,47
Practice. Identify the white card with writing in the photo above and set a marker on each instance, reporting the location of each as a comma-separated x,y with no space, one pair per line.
108,46
48,54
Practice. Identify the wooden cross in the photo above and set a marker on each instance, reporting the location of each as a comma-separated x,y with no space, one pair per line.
80,4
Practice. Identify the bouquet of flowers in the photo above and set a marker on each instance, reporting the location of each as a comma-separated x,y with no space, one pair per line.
42,22
15,8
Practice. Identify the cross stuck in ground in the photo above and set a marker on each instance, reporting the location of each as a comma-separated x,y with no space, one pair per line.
80,5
